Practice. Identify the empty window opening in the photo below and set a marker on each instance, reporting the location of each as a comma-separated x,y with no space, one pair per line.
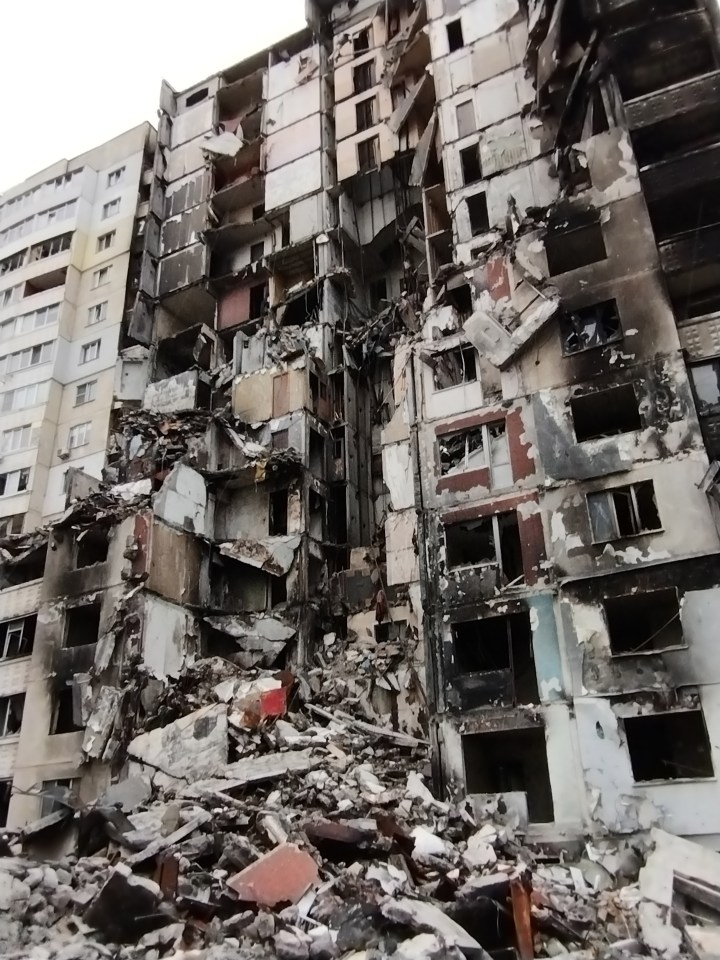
487,540
11,713
63,714
378,293
278,591
5,794
16,637
483,446
623,511
668,746
365,114
278,517
196,97
12,525
461,298
511,761
361,42
92,547
317,510
465,115
573,244
82,625
367,153
317,454
302,309
56,795
258,211
258,301
30,568
590,327
644,622
470,164
493,659
453,367
605,413
454,35
364,77
478,213
706,381
257,251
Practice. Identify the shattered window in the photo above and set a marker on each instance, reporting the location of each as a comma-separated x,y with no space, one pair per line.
470,163
16,637
361,41
364,77
11,712
367,153
706,380
468,450
54,791
623,512
478,213
643,622
590,327
571,244
455,35
487,540
365,114
5,795
453,367
605,413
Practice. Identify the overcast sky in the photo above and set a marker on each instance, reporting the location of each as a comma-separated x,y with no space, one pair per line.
76,73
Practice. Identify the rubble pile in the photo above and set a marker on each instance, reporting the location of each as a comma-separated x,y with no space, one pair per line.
252,821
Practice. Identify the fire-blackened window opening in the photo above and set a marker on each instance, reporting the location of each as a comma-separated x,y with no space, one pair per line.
570,244
461,298
510,761
644,622
605,413
82,625
278,591
478,213
364,77
92,546
486,540
317,507
470,164
302,309
455,35
31,567
589,327
367,152
5,795
317,454
668,746
361,42
365,114
11,713
258,300
16,637
499,650
63,717
483,446
623,512
278,514
453,367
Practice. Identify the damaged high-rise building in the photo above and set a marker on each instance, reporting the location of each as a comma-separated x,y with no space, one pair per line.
421,390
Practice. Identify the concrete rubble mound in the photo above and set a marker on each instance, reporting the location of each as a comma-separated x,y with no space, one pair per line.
255,817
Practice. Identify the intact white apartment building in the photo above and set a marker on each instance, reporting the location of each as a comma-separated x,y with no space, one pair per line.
67,237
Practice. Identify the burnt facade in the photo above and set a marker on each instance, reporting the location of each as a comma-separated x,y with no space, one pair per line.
420,388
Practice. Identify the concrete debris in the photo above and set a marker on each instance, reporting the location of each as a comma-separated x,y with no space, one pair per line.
280,877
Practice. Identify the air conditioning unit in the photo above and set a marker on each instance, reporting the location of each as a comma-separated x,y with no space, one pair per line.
63,453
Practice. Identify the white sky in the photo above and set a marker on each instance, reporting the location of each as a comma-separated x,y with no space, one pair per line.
78,72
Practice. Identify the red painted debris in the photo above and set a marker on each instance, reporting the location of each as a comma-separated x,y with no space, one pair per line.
273,703
281,876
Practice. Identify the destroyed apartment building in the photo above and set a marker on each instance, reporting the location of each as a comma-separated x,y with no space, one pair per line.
421,393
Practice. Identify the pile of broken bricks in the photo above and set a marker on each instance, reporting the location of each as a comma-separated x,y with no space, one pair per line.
258,823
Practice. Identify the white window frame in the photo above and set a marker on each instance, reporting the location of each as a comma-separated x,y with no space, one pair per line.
79,435
27,435
89,387
111,209
97,313
14,627
101,277
90,351
607,495
5,703
106,240
115,176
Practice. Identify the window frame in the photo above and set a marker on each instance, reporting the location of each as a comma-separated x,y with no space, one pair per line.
84,358
91,387
105,241
79,430
111,208
635,512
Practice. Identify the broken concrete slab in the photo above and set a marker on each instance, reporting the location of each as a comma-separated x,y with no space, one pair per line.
192,748
100,724
428,918
270,767
281,876
128,794
125,908
274,555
